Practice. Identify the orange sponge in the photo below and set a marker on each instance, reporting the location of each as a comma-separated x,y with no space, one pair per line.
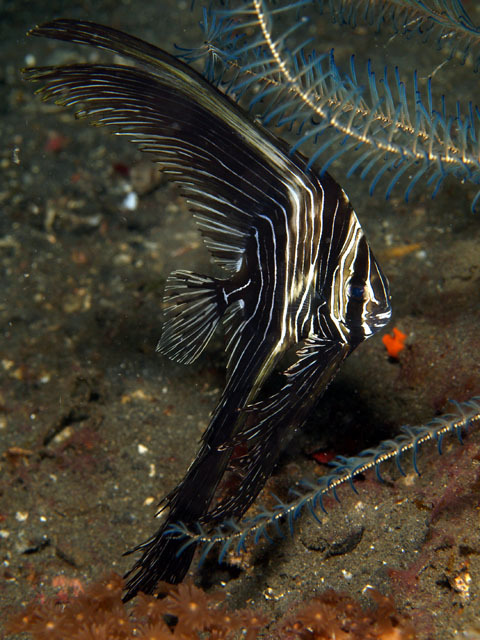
394,343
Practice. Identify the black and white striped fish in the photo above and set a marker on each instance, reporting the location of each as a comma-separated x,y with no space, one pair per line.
301,290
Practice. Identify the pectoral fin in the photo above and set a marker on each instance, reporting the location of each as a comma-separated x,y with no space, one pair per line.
194,306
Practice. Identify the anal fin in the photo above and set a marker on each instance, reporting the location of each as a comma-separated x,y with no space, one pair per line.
194,306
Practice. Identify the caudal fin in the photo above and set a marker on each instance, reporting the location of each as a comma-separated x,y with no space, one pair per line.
163,559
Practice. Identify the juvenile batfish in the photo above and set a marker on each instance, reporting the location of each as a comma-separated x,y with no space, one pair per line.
301,289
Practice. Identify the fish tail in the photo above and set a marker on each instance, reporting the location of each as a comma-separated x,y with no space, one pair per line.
165,556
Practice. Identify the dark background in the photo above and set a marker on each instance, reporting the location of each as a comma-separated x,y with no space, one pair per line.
95,427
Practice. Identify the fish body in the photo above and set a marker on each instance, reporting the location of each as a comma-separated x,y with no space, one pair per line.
301,289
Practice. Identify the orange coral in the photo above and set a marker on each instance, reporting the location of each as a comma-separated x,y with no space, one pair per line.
99,614
63,584
154,631
394,343
191,606
336,616
149,608
188,613
39,619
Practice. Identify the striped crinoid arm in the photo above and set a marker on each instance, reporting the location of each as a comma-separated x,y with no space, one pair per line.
388,130
443,22
309,497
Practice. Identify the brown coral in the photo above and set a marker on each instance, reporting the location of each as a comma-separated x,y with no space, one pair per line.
186,612
192,607
336,616
98,613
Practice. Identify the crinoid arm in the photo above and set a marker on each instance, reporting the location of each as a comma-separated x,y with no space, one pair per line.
445,23
269,524
258,53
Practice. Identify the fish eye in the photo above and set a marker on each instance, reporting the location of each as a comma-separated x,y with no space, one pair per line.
356,291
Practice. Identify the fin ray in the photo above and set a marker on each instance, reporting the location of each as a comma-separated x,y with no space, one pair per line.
223,163
194,306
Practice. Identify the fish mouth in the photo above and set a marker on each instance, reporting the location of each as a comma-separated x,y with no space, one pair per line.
374,321
377,321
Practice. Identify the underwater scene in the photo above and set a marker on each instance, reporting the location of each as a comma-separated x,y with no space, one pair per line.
260,318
